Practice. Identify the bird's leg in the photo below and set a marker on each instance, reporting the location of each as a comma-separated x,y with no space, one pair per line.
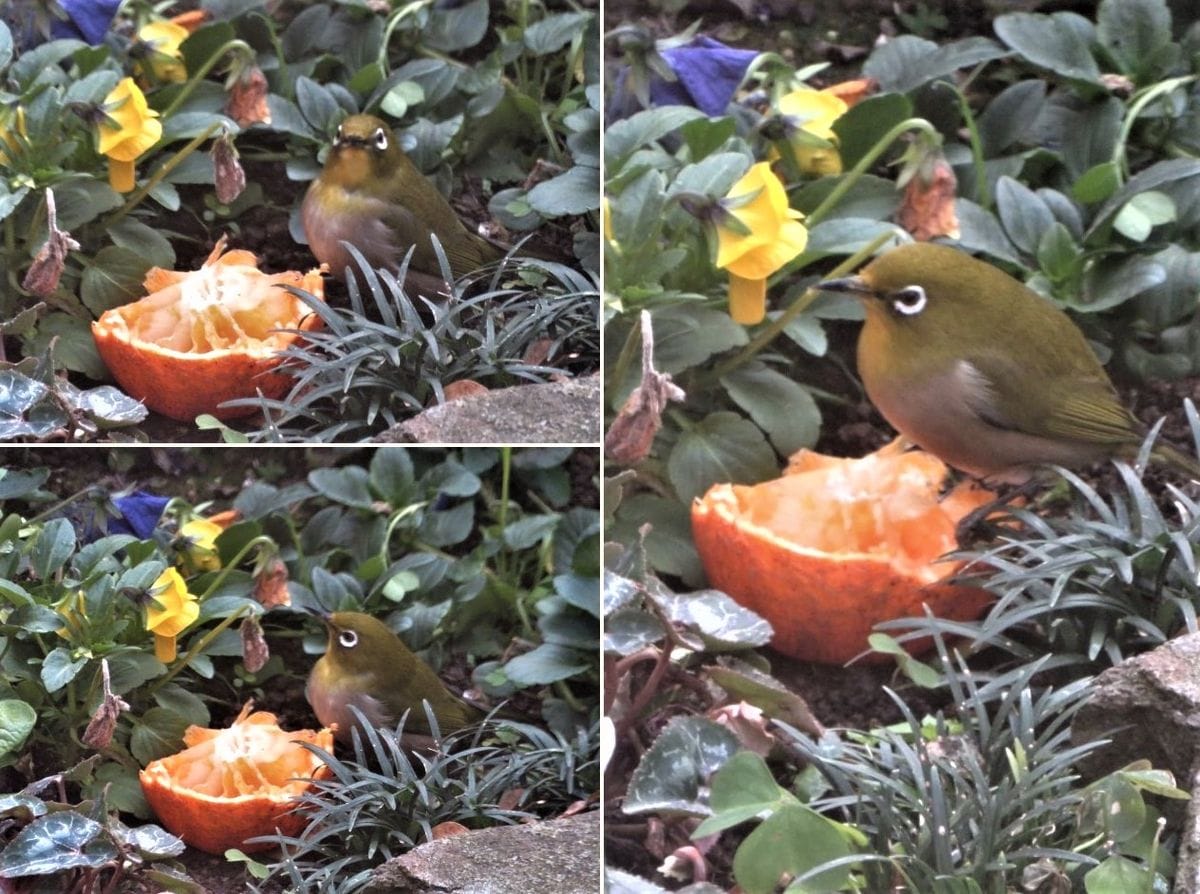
972,526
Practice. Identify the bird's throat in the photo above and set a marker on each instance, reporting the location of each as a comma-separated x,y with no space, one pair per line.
352,170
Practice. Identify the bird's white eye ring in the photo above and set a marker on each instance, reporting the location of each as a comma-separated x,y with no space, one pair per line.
909,301
381,140
338,136
348,639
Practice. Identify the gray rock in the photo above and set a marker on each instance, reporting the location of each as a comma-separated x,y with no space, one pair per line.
1149,706
560,856
554,413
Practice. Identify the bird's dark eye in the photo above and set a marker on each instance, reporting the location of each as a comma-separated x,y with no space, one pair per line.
348,639
909,301
381,140
339,136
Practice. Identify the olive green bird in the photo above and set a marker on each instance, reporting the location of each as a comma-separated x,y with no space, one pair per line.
367,666
372,196
973,366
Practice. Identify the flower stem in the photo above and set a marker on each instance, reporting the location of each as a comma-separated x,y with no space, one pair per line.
202,72
864,163
157,177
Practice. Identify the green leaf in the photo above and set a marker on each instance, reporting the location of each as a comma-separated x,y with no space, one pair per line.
1174,300
397,100
672,776
186,704
457,27
906,62
780,406
722,447
685,337
742,789
623,138
1023,213
792,841
668,543
545,664
59,669
576,191
1060,42
1010,115
628,630
448,527
1134,32
1117,875
1088,133
705,135
1057,254
1097,183
865,123
555,31
17,720
157,733
18,483
392,477
153,842
55,544
317,105
721,622
636,212
10,199
1160,174
145,241
55,843
1142,213
979,231
1111,282
714,176
113,278
349,486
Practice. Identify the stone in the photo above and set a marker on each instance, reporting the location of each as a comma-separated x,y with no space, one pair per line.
560,856
552,413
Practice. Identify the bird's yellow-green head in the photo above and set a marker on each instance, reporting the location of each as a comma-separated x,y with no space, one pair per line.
364,154
926,304
359,644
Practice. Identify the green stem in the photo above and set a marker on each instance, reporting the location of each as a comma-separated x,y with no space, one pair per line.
864,164
157,177
502,515
767,334
52,510
565,693
982,193
630,349
260,540
199,75
393,22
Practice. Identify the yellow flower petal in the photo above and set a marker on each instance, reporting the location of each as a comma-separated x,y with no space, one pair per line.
813,111
172,609
166,61
121,175
137,125
164,648
747,300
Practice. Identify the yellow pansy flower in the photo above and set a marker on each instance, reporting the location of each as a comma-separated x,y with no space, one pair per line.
132,128
810,115
163,60
199,538
172,610
764,235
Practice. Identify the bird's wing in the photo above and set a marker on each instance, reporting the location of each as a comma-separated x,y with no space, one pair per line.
1070,407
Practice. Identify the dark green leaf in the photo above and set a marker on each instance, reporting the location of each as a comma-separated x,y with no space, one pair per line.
865,123
906,62
59,669
349,486
1135,32
673,775
55,544
1007,117
157,733
780,406
555,31
113,278
576,191
1060,42
1023,213
17,720
723,447
55,843
457,27
545,664
792,841
718,619
622,138
628,630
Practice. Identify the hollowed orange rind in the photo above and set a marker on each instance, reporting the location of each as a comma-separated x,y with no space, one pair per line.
203,337
836,546
230,785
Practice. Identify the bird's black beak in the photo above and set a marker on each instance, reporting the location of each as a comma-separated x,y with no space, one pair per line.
853,285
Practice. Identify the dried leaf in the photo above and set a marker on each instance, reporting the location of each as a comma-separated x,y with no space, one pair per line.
255,652
631,434
927,210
